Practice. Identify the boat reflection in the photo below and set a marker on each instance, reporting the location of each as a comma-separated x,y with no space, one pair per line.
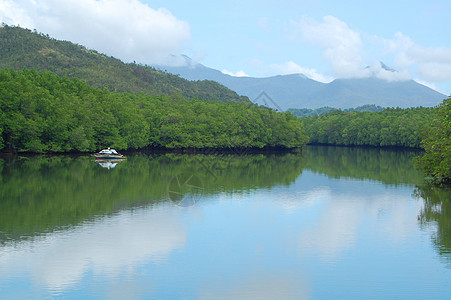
108,163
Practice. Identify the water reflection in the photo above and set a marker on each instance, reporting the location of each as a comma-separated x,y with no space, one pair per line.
223,227
259,286
384,165
108,163
437,211
108,246
185,189
41,194
344,208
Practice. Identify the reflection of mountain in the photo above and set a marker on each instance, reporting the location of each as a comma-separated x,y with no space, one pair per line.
437,209
40,194
384,165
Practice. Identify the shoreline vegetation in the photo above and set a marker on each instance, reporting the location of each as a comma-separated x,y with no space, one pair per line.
415,128
44,113
391,127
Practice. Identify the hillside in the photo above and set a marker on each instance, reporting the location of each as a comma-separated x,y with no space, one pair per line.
42,112
298,91
21,48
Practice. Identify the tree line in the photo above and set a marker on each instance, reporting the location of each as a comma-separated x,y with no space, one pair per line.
42,112
391,127
436,162
308,112
421,127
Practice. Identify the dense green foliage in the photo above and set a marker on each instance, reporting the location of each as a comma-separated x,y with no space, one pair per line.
390,127
307,112
42,112
21,48
40,194
436,161
367,107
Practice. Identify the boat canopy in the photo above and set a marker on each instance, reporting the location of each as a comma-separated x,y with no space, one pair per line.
108,151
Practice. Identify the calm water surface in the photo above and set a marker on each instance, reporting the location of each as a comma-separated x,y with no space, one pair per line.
330,223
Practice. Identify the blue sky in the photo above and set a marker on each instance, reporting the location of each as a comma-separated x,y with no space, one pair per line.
322,39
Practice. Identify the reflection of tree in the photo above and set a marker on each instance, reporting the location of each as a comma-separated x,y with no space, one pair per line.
40,194
386,165
184,189
437,209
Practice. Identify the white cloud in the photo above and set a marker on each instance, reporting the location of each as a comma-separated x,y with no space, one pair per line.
346,50
291,67
240,73
433,63
11,12
342,45
376,70
435,71
127,29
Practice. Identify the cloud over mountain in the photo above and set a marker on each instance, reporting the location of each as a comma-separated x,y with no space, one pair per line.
127,29
346,50
291,67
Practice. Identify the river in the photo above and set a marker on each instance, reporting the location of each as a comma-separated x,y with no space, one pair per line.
325,223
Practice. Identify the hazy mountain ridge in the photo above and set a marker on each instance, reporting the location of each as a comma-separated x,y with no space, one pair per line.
21,48
299,91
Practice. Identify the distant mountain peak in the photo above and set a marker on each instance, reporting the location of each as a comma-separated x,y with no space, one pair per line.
386,68
380,65
381,85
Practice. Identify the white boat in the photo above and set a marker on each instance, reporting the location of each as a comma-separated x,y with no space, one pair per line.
109,154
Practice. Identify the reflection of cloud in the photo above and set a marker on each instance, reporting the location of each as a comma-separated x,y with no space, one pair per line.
395,217
337,227
335,232
291,202
108,246
258,286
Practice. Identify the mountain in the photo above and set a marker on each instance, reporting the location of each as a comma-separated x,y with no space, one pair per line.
21,48
298,91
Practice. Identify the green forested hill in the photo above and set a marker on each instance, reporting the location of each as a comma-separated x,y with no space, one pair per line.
42,112
21,48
